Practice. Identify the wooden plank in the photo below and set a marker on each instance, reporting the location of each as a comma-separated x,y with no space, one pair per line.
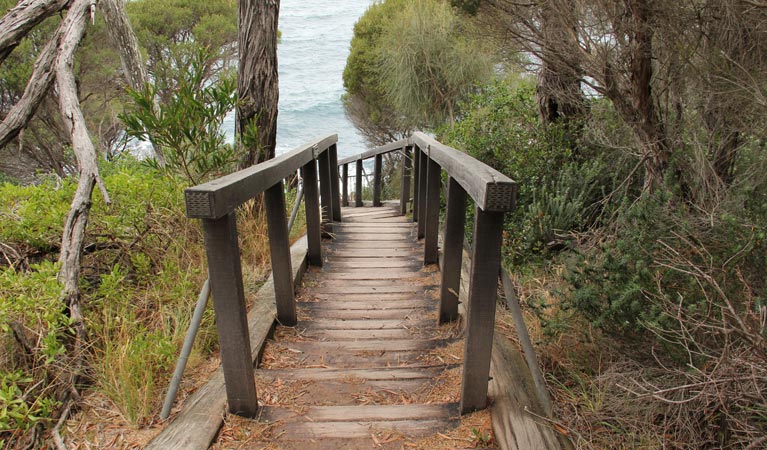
279,247
312,212
326,194
377,180
391,345
455,219
404,193
345,185
382,373
383,238
218,197
373,213
366,325
370,297
394,252
490,189
422,183
363,413
202,413
371,245
403,225
511,391
374,314
372,275
354,335
334,188
416,184
358,185
352,430
483,284
370,289
374,305
226,286
371,230
431,228
368,263
387,148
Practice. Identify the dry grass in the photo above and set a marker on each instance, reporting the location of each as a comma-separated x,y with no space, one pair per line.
99,425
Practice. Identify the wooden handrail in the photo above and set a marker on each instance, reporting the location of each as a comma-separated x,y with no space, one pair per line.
215,203
388,148
493,194
221,196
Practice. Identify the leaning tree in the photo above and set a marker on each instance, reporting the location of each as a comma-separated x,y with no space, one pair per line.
53,74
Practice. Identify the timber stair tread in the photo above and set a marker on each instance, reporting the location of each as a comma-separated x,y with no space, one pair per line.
360,362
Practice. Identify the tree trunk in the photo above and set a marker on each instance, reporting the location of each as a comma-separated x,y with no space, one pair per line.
558,91
87,160
257,87
18,21
124,39
37,87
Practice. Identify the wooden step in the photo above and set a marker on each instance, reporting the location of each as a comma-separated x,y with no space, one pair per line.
363,413
366,324
373,374
372,305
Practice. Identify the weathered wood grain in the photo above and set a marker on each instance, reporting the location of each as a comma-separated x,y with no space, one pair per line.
483,284
334,180
490,189
431,228
358,184
216,198
225,271
312,213
453,251
202,413
377,180
404,193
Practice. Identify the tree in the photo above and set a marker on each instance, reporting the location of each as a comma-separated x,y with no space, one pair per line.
429,62
365,100
55,63
409,65
257,83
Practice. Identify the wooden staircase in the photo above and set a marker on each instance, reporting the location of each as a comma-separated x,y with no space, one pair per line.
366,366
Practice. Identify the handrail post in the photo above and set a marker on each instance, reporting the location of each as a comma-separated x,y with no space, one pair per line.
404,192
431,227
416,183
279,246
455,220
422,193
345,185
312,208
225,271
483,284
336,201
326,193
377,180
358,185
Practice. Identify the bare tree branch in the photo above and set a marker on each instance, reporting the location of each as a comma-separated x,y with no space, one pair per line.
23,18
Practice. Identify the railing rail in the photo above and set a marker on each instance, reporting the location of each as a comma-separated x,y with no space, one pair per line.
493,194
215,203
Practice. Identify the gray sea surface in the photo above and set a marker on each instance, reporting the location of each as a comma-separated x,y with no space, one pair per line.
311,57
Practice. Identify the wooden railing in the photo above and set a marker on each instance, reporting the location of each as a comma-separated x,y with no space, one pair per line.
215,203
493,194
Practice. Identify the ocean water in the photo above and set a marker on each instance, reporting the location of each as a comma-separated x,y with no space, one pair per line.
311,57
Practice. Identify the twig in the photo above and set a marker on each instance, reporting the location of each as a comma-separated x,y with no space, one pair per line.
57,439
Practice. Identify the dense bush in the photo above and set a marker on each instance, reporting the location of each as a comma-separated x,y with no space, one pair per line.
558,189
141,276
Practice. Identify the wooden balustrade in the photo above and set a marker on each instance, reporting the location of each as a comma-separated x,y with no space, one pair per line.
215,203
493,194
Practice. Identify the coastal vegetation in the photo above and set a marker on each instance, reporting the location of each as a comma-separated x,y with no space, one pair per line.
636,134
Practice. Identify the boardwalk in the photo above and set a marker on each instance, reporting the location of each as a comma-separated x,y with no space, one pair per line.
366,361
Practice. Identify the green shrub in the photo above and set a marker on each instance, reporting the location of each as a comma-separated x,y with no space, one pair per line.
187,127
29,305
